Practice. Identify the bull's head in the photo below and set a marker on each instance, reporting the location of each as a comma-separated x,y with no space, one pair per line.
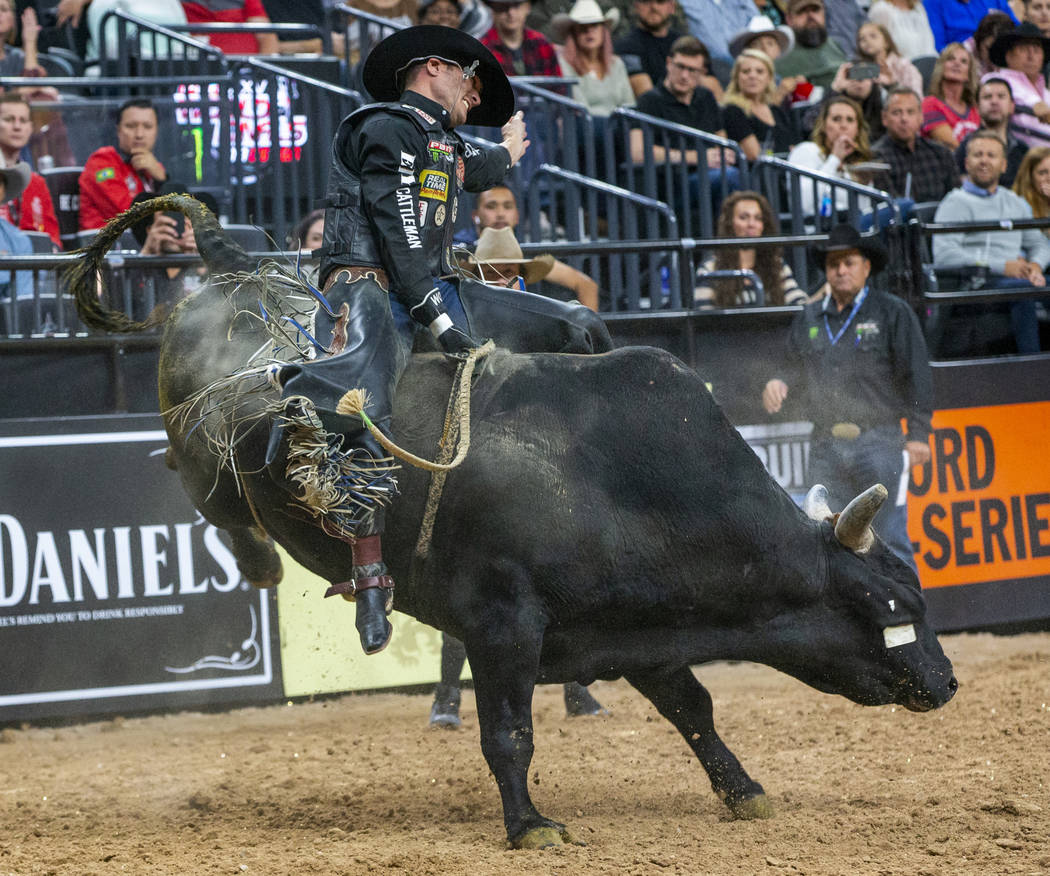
894,654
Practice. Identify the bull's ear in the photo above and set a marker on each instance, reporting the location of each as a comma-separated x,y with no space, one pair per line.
816,504
853,528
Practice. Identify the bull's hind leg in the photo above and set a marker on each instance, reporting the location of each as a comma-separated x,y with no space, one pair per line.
503,683
257,559
680,698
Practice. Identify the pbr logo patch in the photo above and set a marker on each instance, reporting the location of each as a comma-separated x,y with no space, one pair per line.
105,173
439,215
461,170
439,151
433,184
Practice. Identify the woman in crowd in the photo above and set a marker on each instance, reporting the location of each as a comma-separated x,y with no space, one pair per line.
586,50
1021,54
1037,12
751,115
15,61
748,214
876,46
907,25
443,12
840,140
1033,182
978,45
949,111
308,233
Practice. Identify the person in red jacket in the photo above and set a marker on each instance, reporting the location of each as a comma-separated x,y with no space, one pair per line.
33,210
113,176
233,12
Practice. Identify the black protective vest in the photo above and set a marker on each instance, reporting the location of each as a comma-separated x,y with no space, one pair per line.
349,235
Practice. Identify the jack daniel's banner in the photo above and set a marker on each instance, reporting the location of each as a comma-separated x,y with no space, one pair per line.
115,594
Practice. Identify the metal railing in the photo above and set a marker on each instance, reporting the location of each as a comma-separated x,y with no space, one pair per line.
789,188
361,31
130,46
589,210
645,154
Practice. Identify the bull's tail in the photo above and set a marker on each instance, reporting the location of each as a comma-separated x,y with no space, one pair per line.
220,252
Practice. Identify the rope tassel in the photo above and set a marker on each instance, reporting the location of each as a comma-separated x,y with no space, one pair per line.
354,402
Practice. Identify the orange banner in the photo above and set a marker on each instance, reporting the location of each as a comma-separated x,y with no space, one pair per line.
980,509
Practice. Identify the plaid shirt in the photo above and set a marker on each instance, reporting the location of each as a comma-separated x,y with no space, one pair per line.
931,165
537,54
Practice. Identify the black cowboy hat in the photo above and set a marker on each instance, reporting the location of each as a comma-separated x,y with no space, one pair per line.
391,57
1024,33
844,237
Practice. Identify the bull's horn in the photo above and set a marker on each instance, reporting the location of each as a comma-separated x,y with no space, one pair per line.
853,528
816,503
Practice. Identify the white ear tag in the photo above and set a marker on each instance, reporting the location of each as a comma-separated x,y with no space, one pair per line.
899,635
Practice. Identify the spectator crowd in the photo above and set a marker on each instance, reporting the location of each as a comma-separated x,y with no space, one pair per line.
921,99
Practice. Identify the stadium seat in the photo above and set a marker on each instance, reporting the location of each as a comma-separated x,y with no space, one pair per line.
63,184
925,64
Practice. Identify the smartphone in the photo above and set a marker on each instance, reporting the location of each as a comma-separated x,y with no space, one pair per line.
180,222
863,71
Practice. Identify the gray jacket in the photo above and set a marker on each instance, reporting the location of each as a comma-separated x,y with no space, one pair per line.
990,249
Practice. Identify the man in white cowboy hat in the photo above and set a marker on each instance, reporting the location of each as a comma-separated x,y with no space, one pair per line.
13,181
763,35
646,46
396,172
498,208
582,13
498,261
857,360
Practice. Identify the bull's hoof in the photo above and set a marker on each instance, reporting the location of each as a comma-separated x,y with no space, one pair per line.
542,838
264,581
579,702
759,806
445,711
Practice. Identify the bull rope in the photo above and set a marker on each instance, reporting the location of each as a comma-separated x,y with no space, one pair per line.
455,442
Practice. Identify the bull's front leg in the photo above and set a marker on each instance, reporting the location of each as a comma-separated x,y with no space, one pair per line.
505,675
685,702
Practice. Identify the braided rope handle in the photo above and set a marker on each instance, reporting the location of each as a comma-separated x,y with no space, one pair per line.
353,402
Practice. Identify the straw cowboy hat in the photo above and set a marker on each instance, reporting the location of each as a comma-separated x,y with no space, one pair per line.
1024,33
499,246
845,237
758,26
582,12
16,178
399,51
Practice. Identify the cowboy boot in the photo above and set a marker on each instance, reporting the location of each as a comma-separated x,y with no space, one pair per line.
371,358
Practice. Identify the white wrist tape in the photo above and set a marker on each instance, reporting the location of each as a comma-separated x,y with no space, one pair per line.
440,325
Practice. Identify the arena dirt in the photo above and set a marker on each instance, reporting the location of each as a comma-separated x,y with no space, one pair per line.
360,784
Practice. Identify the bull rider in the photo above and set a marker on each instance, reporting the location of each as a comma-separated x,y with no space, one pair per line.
396,171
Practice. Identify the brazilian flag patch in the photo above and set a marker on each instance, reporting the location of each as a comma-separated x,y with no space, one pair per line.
105,173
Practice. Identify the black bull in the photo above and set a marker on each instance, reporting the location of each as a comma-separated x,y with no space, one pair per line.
607,522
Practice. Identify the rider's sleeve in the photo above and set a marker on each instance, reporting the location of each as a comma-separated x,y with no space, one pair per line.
390,196
484,168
